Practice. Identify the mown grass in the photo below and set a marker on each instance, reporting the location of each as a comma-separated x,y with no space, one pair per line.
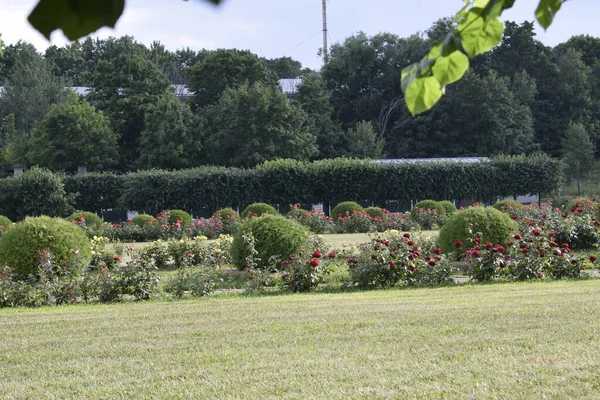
520,340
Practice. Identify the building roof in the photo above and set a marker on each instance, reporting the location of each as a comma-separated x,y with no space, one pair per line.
288,86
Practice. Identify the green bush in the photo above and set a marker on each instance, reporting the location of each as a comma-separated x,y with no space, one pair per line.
89,217
344,209
180,215
296,213
374,212
427,205
20,247
4,221
491,225
33,193
449,207
507,205
259,209
142,220
275,238
226,213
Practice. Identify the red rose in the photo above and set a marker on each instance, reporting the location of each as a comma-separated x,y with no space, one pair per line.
314,262
489,245
592,258
392,265
410,243
317,254
458,244
536,232
509,244
285,262
517,237
331,254
431,263
437,251
553,244
373,257
407,235
477,240
573,261
117,258
412,267
128,221
514,217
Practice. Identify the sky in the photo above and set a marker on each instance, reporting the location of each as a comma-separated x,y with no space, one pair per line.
275,28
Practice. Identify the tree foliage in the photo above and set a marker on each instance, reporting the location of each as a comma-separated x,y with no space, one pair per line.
73,134
256,123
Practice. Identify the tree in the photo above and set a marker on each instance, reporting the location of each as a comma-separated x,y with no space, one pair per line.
67,63
257,123
362,141
73,134
479,30
170,139
13,144
284,67
224,69
31,90
125,86
480,116
578,153
362,75
314,98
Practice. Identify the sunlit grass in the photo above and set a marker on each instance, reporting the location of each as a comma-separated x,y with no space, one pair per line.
523,340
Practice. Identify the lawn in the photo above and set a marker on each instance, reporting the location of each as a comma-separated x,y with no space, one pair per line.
520,340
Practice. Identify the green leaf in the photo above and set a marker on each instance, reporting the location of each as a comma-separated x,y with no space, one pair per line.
77,18
546,11
451,68
494,9
477,35
422,94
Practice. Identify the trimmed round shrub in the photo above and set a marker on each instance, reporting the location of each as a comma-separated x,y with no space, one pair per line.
274,236
259,209
296,213
180,215
344,209
142,220
20,246
226,213
507,205
427,205
491,225
374,212
449,207
89,217
4,221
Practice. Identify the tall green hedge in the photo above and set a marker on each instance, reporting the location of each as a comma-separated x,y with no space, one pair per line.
286,182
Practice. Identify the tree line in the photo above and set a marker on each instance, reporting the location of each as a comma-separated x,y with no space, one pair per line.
522,97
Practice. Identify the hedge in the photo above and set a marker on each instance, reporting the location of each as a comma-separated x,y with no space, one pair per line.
288,181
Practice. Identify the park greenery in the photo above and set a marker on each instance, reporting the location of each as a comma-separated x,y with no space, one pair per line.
520,97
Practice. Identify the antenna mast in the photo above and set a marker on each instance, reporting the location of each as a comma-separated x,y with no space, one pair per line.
325,51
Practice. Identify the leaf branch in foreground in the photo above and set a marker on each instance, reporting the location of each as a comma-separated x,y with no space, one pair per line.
479,30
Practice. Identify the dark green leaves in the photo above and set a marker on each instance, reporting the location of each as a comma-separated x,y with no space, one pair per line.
546,10
77,18
478,35
479,30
